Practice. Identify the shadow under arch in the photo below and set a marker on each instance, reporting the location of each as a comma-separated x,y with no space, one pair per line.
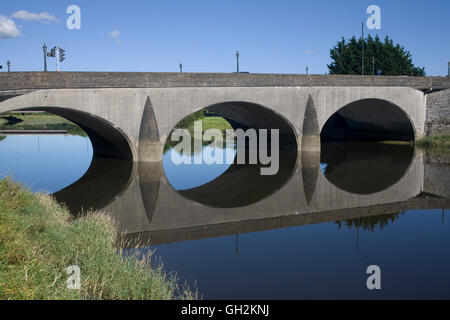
245,115
368,120
242,184
107,140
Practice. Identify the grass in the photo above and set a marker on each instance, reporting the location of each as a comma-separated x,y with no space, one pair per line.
435,142
211,123
397,143
207,123
39,240
38,121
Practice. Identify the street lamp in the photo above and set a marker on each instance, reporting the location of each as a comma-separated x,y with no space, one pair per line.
9,65
362,51
237,61
45,57
448,75
181,67
373,66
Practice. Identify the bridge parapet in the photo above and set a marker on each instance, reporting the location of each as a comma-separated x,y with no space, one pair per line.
79,80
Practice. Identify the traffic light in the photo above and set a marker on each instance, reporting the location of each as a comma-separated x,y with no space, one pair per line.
52,53
62,55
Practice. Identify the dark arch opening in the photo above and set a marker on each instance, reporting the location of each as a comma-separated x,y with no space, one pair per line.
368,120
243,184
245,115
107,140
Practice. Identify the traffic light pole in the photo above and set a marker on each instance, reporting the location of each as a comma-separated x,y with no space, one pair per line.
57,58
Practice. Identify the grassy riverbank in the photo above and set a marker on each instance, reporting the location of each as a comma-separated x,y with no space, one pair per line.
38,121
39,240
436,142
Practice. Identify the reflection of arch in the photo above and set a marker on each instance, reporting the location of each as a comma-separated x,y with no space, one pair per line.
102,183
368,120
362,168
242,185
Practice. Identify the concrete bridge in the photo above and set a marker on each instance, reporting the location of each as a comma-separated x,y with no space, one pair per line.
130,115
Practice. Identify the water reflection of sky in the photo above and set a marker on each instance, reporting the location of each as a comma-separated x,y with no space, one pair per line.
187,176
319,261
45,162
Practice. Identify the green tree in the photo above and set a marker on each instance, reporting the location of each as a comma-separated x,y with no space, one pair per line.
392,60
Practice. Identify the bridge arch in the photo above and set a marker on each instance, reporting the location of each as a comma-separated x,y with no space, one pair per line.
369,119
247,114
90,110
107,140
242,185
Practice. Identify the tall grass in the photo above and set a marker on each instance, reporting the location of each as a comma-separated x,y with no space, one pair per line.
39,240
441,142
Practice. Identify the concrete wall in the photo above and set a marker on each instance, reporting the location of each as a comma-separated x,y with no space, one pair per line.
123,108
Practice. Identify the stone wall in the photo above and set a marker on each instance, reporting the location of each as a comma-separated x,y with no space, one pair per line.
69,80
438,113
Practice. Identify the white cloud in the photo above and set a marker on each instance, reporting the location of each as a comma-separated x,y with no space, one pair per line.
115,35
310,51
44,17
8,28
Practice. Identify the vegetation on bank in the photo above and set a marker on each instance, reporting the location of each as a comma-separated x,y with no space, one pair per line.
370,223
38,121
39,239
208,122
435,142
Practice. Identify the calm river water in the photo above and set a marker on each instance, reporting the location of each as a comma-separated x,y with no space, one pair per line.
310,231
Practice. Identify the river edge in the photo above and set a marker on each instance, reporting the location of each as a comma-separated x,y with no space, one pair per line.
40,240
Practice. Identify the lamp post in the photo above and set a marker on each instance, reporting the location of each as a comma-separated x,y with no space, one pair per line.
448,75
306,70
9,65
237,61
373,66
181,67
45,57
362,53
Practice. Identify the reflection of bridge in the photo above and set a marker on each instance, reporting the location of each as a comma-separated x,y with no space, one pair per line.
147,207
129,115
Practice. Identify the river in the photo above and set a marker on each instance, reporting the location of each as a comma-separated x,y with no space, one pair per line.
310,231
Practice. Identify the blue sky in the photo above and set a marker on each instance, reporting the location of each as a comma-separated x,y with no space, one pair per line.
271,36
